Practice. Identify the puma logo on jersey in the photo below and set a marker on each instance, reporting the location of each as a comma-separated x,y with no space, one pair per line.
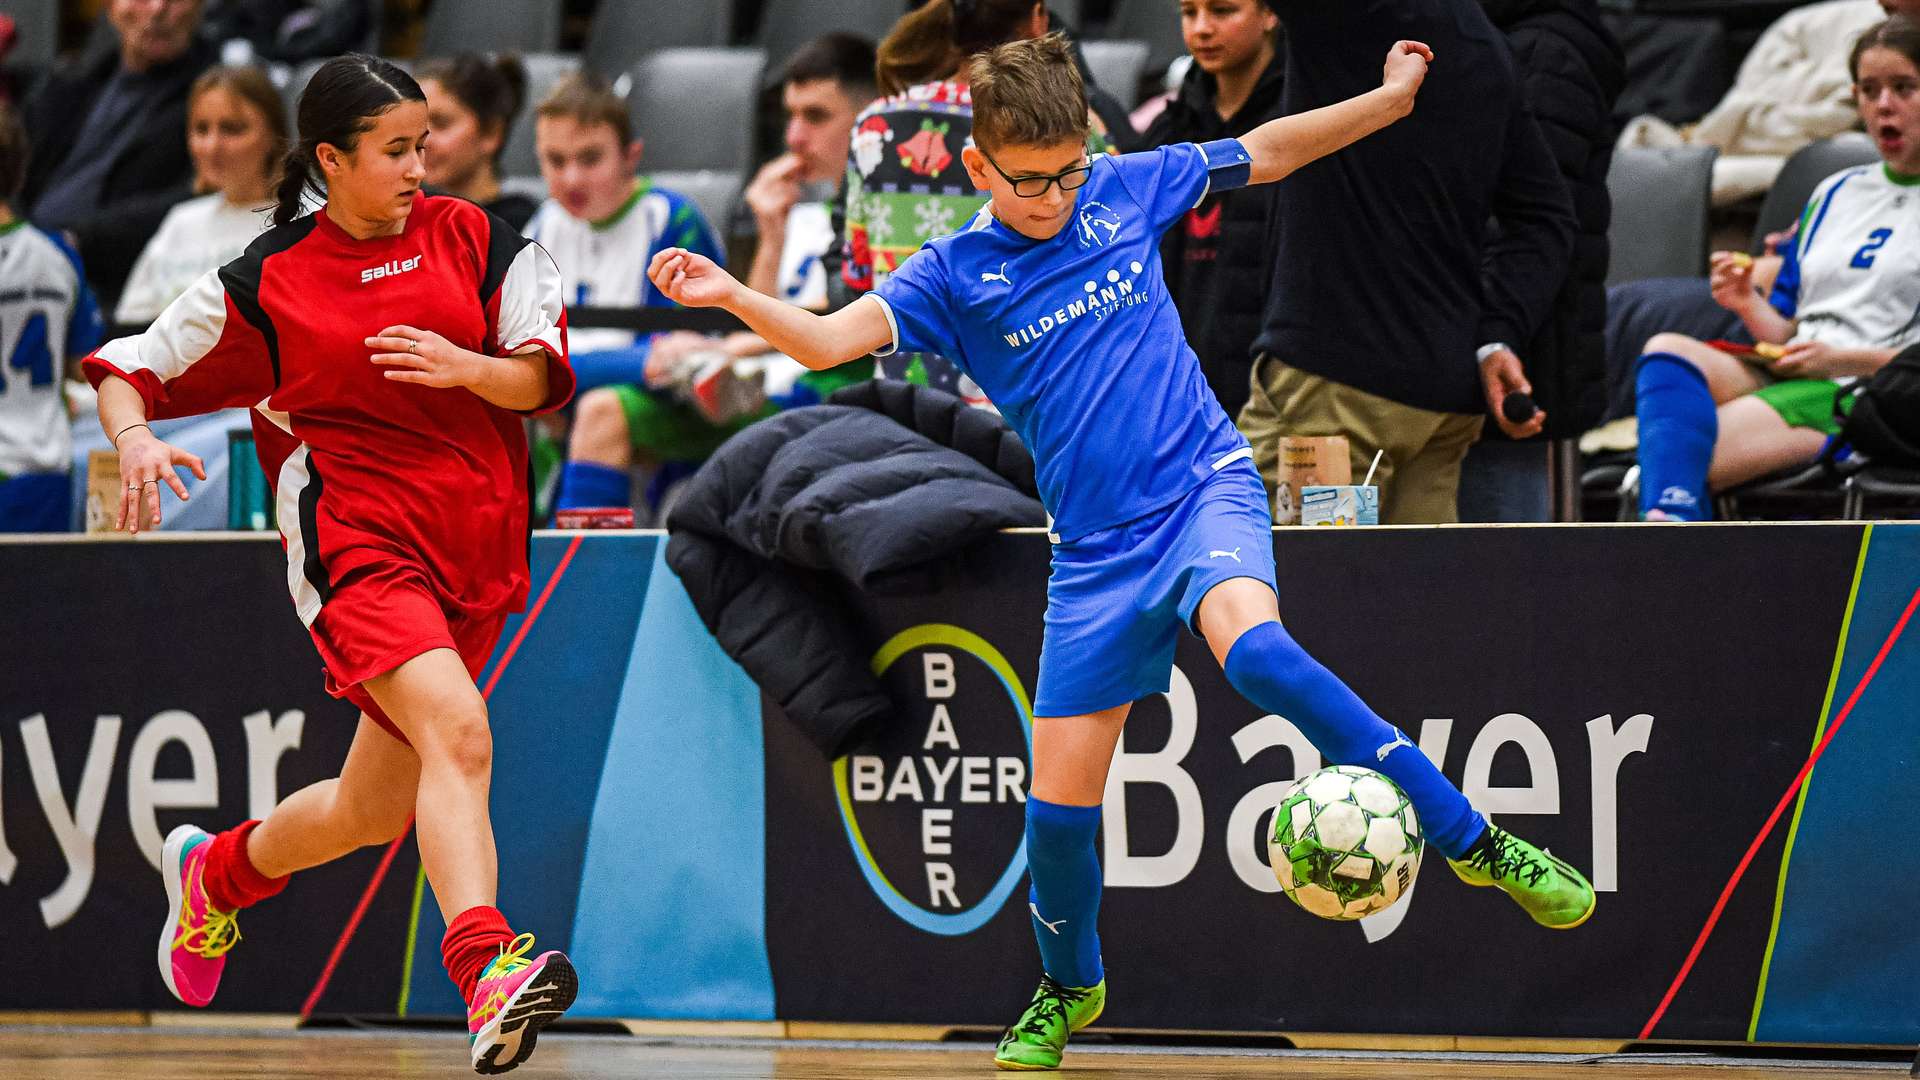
1053,927
390,268
1234,554
1000,277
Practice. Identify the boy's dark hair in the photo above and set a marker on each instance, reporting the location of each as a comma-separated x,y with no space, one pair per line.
845,58
587,99
1028,93
13,153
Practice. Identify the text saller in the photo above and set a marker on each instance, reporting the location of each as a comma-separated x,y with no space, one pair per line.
390,268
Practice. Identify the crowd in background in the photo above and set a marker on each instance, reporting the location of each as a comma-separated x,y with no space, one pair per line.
1436,294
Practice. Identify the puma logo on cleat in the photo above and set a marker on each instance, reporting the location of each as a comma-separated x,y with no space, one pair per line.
1399,740
1234,554
1052,927
1000,277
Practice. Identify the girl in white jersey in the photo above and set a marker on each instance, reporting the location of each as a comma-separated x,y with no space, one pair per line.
1847,299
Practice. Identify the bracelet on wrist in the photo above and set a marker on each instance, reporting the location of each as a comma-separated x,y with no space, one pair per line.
116,437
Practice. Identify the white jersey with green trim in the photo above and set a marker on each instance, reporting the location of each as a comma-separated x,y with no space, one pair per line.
47,316
1852,275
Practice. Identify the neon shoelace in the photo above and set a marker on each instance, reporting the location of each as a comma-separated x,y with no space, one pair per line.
512,958
1504,859
217,933
1049,1005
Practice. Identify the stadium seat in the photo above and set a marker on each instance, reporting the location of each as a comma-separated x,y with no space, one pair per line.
1802,173
785,25
625,30
457,26
1155,22
1882,485
715,192
694,107
1804,491
1660,200
37,22
544,70
1117,67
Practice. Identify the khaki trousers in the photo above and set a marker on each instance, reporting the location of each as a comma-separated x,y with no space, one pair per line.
1419,474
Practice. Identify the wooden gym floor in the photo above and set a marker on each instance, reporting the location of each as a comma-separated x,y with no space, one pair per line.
45,1053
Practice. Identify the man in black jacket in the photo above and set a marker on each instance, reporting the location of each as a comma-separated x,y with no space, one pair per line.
1377,308
1216,260
1571,71
110,138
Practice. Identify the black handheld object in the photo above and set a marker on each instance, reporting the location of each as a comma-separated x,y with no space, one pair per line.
1518,408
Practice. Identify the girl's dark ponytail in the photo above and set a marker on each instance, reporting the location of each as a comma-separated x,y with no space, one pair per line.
341,101
295,178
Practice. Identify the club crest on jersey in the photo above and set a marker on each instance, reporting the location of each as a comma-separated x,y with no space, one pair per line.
1096,225
390,268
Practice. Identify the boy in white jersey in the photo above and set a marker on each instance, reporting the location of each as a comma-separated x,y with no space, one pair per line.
1053,301
48,318
1846,300
601,223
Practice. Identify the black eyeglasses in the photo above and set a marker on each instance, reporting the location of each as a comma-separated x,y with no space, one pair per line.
1032,187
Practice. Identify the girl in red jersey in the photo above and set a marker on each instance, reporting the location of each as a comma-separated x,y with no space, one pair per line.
390,344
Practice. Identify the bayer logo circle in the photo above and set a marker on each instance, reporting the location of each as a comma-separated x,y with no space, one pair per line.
934,807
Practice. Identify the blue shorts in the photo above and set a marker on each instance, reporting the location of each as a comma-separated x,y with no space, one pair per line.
36,503
1117,598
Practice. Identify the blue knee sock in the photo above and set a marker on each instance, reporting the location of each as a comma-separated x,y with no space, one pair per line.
1275,673
584,483
1678,425
1065,897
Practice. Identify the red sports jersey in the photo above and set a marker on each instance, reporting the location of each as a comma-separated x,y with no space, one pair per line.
367,470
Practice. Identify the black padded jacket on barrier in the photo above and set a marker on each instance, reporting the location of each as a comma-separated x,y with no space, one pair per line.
1571,70
876,490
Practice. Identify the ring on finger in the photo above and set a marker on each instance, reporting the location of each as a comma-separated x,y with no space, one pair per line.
413,347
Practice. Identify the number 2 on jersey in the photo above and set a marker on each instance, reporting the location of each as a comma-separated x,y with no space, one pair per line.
31,353
1877,239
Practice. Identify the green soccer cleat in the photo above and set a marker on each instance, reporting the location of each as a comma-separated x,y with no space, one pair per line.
1036,1042
1545,887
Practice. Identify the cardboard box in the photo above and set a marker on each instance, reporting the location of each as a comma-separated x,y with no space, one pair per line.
1306,461
103,490
1340,504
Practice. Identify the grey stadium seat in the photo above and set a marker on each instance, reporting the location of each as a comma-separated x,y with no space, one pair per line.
625,30
694,107
1802,173
544,71
1116,67
1155,22
457,26
788,24
37,22
714,192
1660,200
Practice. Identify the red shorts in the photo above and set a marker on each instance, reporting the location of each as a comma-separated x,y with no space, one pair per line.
384,615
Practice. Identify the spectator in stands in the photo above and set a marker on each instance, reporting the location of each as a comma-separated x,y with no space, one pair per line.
289,31
905,183
237,136
472,101
102,171
1842,306
1789,92
48,321
1376,305
601,223
1571,71
1216,260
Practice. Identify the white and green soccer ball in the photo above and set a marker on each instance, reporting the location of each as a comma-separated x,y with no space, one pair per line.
1345,842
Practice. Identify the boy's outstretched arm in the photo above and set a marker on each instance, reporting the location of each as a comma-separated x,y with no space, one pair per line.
1278,147
817,341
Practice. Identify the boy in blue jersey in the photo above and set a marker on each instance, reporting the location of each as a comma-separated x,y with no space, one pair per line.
48,317
1052,300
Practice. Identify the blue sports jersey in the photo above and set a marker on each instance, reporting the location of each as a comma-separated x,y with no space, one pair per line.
1076,339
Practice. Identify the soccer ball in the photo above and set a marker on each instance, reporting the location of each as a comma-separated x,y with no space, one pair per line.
1345,842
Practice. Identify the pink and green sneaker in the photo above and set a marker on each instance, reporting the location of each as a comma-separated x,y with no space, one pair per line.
513,1000
196,938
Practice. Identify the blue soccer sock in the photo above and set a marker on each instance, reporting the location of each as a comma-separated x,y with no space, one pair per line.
1678,426
1065,897
1271,670
586,483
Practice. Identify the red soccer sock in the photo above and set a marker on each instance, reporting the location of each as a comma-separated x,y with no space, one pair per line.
229,876
473,940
